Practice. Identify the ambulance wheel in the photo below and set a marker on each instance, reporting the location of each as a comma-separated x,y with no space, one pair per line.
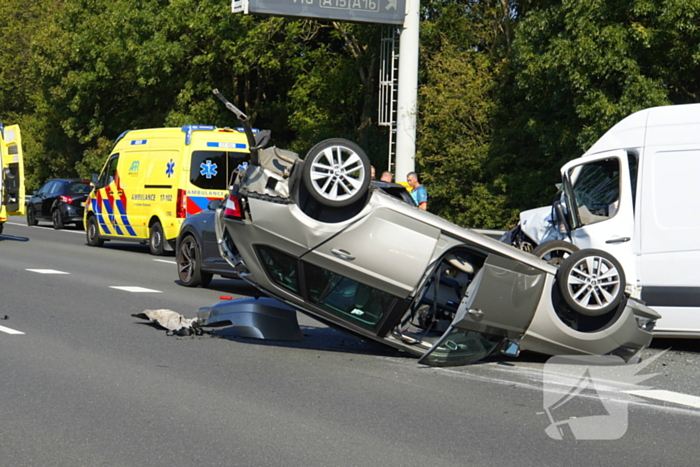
31,216
591,282
93,233
57,219
156,239
336,172
189,264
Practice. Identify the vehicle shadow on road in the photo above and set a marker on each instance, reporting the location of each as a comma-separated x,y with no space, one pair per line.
317,338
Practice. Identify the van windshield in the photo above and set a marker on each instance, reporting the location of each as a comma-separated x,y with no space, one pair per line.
210,170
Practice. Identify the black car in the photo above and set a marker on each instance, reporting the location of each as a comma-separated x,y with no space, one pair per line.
197,253
62,201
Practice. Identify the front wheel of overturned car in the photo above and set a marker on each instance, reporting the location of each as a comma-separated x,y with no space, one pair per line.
591,282
156,239
336,172
555,251
92,232
189,264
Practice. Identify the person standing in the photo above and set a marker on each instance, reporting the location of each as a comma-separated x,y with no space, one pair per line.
418,191
387,176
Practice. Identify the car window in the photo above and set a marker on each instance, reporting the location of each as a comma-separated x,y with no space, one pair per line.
78,188
282,268
46,189
351,300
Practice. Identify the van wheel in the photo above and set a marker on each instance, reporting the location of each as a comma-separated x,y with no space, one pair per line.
336,172
555,251
156,239
93,233
57,219
189,264
591,282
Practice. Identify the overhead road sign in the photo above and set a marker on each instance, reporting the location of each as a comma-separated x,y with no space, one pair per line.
362,11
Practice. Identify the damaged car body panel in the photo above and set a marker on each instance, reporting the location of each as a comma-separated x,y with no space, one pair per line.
315,235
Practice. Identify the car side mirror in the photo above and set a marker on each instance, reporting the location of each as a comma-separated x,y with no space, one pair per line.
562,223
510,348
214,204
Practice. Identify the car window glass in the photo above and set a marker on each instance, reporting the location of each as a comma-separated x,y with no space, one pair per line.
78,188
56,188
358,303
597,190
282,268
45,189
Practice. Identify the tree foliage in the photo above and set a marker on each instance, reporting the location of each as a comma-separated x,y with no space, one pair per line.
508,91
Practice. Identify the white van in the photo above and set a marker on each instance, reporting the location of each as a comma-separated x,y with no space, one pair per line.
636,195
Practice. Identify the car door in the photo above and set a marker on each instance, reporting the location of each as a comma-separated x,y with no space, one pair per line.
45,200
103,200
600,200
385,249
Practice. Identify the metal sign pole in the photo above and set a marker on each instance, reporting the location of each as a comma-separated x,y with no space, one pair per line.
408,92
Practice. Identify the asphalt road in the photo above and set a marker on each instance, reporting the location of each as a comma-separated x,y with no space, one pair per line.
83,383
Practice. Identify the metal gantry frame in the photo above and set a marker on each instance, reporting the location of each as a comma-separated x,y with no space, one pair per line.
388,87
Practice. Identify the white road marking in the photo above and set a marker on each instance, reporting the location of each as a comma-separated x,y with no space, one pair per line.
10,331
134,289
668,396
47,271
82,232
165,261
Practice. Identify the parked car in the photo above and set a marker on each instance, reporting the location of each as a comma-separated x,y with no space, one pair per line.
197,253
61,201
312,234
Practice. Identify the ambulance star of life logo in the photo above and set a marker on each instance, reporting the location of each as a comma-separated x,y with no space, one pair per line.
586,396
170,168
208,169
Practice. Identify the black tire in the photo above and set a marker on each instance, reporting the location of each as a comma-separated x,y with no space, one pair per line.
93,233
555,251
189,262
31,217
336,172
156,239
57,219
591,282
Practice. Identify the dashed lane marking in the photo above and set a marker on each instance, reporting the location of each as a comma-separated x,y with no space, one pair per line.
9,330
47,271
134,289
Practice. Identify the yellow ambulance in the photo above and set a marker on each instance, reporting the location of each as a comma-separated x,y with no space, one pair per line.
12,177
155,178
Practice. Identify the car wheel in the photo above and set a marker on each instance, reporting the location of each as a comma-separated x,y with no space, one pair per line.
93,233
31,217
336,172
156,239
57,219
189,264
591,282
555,251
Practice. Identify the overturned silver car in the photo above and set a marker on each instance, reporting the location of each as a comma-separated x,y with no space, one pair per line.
314,234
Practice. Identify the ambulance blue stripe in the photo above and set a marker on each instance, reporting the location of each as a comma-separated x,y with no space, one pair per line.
97,209
110,212
125,220
214,144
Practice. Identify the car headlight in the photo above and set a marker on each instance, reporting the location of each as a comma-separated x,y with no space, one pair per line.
646,324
